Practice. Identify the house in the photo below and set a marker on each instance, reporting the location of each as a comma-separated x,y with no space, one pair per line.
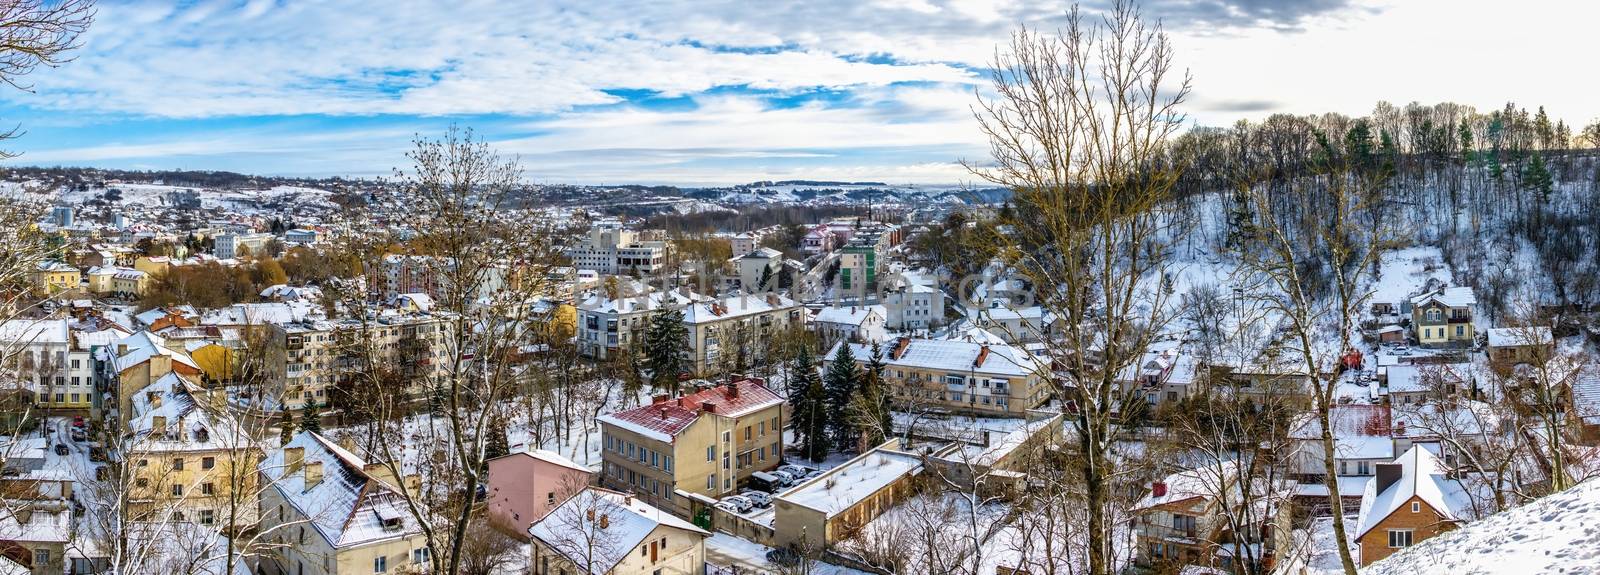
139,360
1443,317
526,485
833,506
752,267
1191,518
1391,334
1165,374
52,277
36,536
1362,440
680,453
1016,324
1514,345
913,306
1585,401
597,532
329,511
1408,384
1410,500
819,239
724,331
187,457
608,323
859,324
973,375
44,353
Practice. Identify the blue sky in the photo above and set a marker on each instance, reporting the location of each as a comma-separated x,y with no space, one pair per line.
711,92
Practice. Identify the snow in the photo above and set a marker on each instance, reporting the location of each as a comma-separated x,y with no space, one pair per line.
859,478
723,550
1421,476
629,521
1555,534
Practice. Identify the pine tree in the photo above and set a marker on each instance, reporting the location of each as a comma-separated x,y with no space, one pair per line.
286,428
1465,135
1536,178
808,407
1241,219
665,343
843,380
765,283
785,277
309,420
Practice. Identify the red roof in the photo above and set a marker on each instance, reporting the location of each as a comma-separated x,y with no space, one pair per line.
671,416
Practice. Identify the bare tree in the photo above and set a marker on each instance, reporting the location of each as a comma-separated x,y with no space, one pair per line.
1077,132
36,33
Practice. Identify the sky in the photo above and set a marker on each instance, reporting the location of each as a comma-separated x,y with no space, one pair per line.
708,92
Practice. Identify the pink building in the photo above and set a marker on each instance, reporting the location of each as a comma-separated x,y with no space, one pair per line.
524,486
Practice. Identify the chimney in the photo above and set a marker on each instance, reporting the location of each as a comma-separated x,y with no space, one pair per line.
1158,489
1400,428
154,398
900,348
122,349
292,458
1388,474
605,520
663,412
659,399
708,407
589,513
983,354
733,390
313,472
158,423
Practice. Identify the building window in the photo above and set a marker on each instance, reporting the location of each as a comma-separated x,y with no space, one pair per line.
711,481
380,564
208,462
1416,507
177,464
207,516
208,489
177,490
421,555
1399,538
666,462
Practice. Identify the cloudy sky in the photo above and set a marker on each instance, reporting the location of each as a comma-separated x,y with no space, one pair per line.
701,92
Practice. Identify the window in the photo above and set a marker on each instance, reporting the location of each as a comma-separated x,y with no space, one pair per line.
1416,507
177,490
711,453
177,464
208,489
747,434
207,516
711,481
141,482
380,564
208,462
666,462
41,556
421,555
1399,538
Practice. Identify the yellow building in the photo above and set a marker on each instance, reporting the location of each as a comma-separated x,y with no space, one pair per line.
153,265
52,277
329,511
186,459
1443,317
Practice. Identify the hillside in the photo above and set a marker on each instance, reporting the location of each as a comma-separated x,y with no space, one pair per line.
1556,534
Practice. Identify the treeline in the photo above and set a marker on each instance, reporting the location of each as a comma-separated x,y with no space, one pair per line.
212,285
750,218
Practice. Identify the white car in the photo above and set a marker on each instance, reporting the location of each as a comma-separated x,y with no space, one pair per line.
743,505
759,498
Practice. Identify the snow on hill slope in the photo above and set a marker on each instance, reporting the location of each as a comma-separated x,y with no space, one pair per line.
1556,534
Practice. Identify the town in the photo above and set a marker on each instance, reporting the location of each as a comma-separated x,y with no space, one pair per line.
1304,345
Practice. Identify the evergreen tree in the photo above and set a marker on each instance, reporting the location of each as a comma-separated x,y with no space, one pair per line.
765,284
665,343
808,408
1358,145
286,428
1241,219
873,401
785,277
843,380
1536,178
1465,135
309,420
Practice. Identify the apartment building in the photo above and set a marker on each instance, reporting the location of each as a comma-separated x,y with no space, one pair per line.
53,277
607,324
330,511
612,250
1183,521
966,376
229,246
317,352
914,306
722,329
44,353
186,457
697,447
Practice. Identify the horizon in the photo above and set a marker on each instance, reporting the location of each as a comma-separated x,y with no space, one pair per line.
697,96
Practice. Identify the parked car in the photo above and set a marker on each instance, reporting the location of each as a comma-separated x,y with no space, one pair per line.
760,498
61,449
766,482
788,479
78,435
800,472
740,504
77,421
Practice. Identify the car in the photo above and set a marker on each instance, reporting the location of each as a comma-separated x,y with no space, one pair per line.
765,481
78,435
794,470
77,421
741,504
61,449
760,498
784,477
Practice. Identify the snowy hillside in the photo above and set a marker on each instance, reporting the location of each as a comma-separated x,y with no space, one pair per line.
1556,534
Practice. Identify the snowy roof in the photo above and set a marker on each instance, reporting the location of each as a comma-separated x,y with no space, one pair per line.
1554,534
548,457
1453,297
144,345
762,253
853,315
348,507
1519,336
848,484
165,417
262,313
573,526
39,525
952,356
34,331
1586,399
1421,476
734,306
1189,484
1408,378
646,302
663,420
1359,431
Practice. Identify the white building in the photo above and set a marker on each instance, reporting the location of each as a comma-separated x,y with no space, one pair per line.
41,353
613,250
228,245
750,267
915,306
860,324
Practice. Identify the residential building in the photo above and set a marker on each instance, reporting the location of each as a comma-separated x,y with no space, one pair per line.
1414,384
1362,440
833,506
858,324
1165,374
60,373
230,246
187,458
681,453
860,261
751,267
819,239
1192,518
130,282
1510,346
139,360
52,277
1412,498
913,307
1443,317
967,376
300,236
526,485
723,330
608,323
36,537
604,532
317,352
612,250
332,512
